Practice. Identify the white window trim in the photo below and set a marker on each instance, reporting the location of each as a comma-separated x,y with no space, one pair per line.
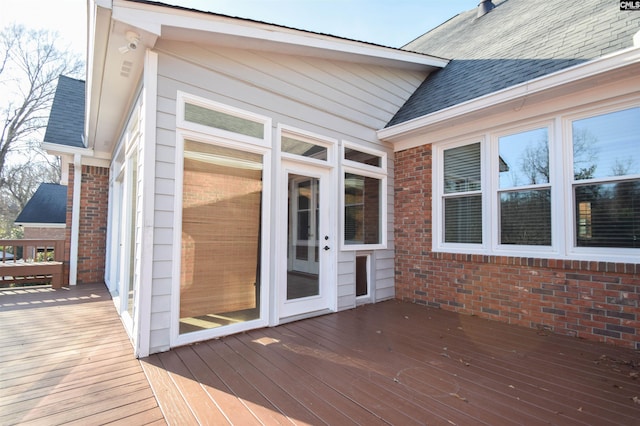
183,98
563,229
437,210
306,136
365,170
590,253
555,181
209,135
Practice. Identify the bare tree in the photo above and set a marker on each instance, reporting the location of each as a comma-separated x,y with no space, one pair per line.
23,179
30,64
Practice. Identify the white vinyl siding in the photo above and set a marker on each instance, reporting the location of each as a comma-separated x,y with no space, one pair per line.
335,99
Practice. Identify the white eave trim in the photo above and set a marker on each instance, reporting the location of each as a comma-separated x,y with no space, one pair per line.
40,225
573,74
153,18
89,157
58,149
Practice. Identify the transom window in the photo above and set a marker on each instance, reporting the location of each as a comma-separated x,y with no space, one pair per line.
507,193
213,118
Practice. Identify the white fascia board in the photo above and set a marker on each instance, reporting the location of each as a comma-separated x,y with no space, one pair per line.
88,156
41,225
566,76
152,18
57,149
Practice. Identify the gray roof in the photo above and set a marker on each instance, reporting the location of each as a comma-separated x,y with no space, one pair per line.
517,41
66,120
47,205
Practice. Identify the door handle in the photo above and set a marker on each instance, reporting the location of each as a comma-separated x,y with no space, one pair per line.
326,248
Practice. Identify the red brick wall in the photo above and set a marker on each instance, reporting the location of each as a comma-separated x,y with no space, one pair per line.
35,233
591,300
92,242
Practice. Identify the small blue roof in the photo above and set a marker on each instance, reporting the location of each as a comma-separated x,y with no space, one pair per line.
66,119
48,205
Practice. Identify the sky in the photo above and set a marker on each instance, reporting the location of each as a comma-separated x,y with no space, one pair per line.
386,22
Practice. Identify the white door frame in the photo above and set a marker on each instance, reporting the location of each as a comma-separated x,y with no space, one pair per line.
327,299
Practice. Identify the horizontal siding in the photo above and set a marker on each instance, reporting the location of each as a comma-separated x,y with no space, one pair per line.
346,280
339,100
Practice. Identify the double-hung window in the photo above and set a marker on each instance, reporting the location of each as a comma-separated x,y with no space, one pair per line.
462,198
567,187
524,188
606,179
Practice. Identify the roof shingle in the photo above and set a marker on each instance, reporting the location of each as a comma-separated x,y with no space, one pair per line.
66,120
47,205
519,40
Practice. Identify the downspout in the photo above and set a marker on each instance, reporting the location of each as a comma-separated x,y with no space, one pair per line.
75,219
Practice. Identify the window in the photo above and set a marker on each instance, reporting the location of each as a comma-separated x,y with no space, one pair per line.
221,120
462,195
213,118
606,179
361,209
525,191
364,182
543,193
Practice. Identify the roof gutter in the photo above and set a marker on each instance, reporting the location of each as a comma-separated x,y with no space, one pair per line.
573,74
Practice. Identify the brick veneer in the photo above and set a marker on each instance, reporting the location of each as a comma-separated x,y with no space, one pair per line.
36,233
591,300
92,241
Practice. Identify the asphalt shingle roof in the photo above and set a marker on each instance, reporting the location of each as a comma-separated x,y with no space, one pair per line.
66,120
47,205
519,40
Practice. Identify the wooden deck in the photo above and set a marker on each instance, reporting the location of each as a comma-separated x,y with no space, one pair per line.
66,359
401,364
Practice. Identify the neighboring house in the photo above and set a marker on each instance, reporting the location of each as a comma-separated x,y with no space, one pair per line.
44,216
256,174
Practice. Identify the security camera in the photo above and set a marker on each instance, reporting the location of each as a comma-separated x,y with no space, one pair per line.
133,39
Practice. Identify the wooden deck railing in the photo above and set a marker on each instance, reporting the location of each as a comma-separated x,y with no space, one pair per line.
31,261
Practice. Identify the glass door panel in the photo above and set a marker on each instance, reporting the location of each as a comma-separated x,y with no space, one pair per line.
221,228
303,241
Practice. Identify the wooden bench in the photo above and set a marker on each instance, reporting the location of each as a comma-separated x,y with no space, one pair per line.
31,261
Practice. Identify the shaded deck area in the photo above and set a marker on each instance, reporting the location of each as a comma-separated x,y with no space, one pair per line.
66,359
397,363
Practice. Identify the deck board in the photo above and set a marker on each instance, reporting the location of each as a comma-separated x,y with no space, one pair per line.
389,363
399,363
66,359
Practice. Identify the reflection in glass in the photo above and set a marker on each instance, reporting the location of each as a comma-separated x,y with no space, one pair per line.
304,149
361,209
607,145
608,215
362,157
525,217
303,279
133,164
220,247
462,169
220,120
524,158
